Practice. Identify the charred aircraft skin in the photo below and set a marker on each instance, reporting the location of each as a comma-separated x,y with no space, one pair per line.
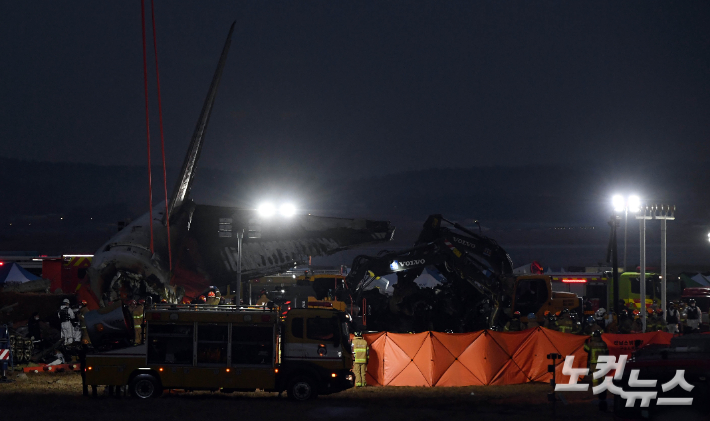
126,268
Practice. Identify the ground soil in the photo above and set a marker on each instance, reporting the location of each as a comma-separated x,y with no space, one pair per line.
57,396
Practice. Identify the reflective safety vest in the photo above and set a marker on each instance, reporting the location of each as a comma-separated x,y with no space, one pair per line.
361,350
564,325
595,348
138,317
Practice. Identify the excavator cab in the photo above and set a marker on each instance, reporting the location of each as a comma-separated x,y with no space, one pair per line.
533,294
530,295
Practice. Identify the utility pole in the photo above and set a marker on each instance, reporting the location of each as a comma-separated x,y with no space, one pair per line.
613,256
238,298
666,213
642,287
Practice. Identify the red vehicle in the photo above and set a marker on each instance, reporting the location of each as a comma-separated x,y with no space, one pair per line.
701,295
661,362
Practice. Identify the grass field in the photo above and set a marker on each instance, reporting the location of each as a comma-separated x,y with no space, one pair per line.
57,396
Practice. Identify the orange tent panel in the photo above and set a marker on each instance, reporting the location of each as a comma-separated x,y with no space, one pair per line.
510,373
394,362
456,343
375,364
457,374
424,360
484,358
510,342
531,356
410,344
410,376
442,357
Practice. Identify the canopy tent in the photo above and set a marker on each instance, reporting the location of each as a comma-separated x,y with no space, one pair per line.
14,273
697,280
701,280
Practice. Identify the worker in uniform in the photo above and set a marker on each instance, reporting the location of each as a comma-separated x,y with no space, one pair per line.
591,325
625,321
636,324
362,353
263,298
694,316
576,324
212,299
660,321
66,315
672,319
532,321
546,320
35,330
513,324
600,318
564,322
653,323
613,324
595,347
82,323
137,312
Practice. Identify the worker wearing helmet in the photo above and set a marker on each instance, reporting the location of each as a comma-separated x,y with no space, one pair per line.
672,319
66,315
660,320
137,312
595,347
361,353
694,315
626,321
84,333
564,321
212,299
600,318
652,322
590,325
513,324
532,321
546,321
637,323
263,298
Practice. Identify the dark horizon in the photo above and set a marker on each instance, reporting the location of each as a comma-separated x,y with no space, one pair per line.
527,116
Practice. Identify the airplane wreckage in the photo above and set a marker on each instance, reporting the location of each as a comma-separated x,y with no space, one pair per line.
203,238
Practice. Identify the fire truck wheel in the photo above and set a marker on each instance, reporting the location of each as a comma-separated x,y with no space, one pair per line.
145,386
302,389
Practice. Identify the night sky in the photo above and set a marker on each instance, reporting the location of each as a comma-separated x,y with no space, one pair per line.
331,94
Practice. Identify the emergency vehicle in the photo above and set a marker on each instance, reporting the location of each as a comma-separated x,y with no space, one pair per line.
630,288
225,348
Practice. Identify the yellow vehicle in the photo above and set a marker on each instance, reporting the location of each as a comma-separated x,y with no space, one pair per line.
630,289
225,348
534,294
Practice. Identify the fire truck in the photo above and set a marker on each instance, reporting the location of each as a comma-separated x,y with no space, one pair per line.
221,348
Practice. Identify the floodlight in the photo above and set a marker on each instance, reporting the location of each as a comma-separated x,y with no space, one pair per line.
287,209
267,209
618,202
634,203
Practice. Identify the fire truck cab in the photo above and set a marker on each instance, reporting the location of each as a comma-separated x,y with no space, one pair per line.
226,348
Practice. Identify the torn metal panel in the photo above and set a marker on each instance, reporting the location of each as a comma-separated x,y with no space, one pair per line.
125,268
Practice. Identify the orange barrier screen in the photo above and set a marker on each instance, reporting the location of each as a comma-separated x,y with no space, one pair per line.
480,358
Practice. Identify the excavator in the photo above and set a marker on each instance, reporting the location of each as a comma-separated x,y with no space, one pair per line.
479,290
